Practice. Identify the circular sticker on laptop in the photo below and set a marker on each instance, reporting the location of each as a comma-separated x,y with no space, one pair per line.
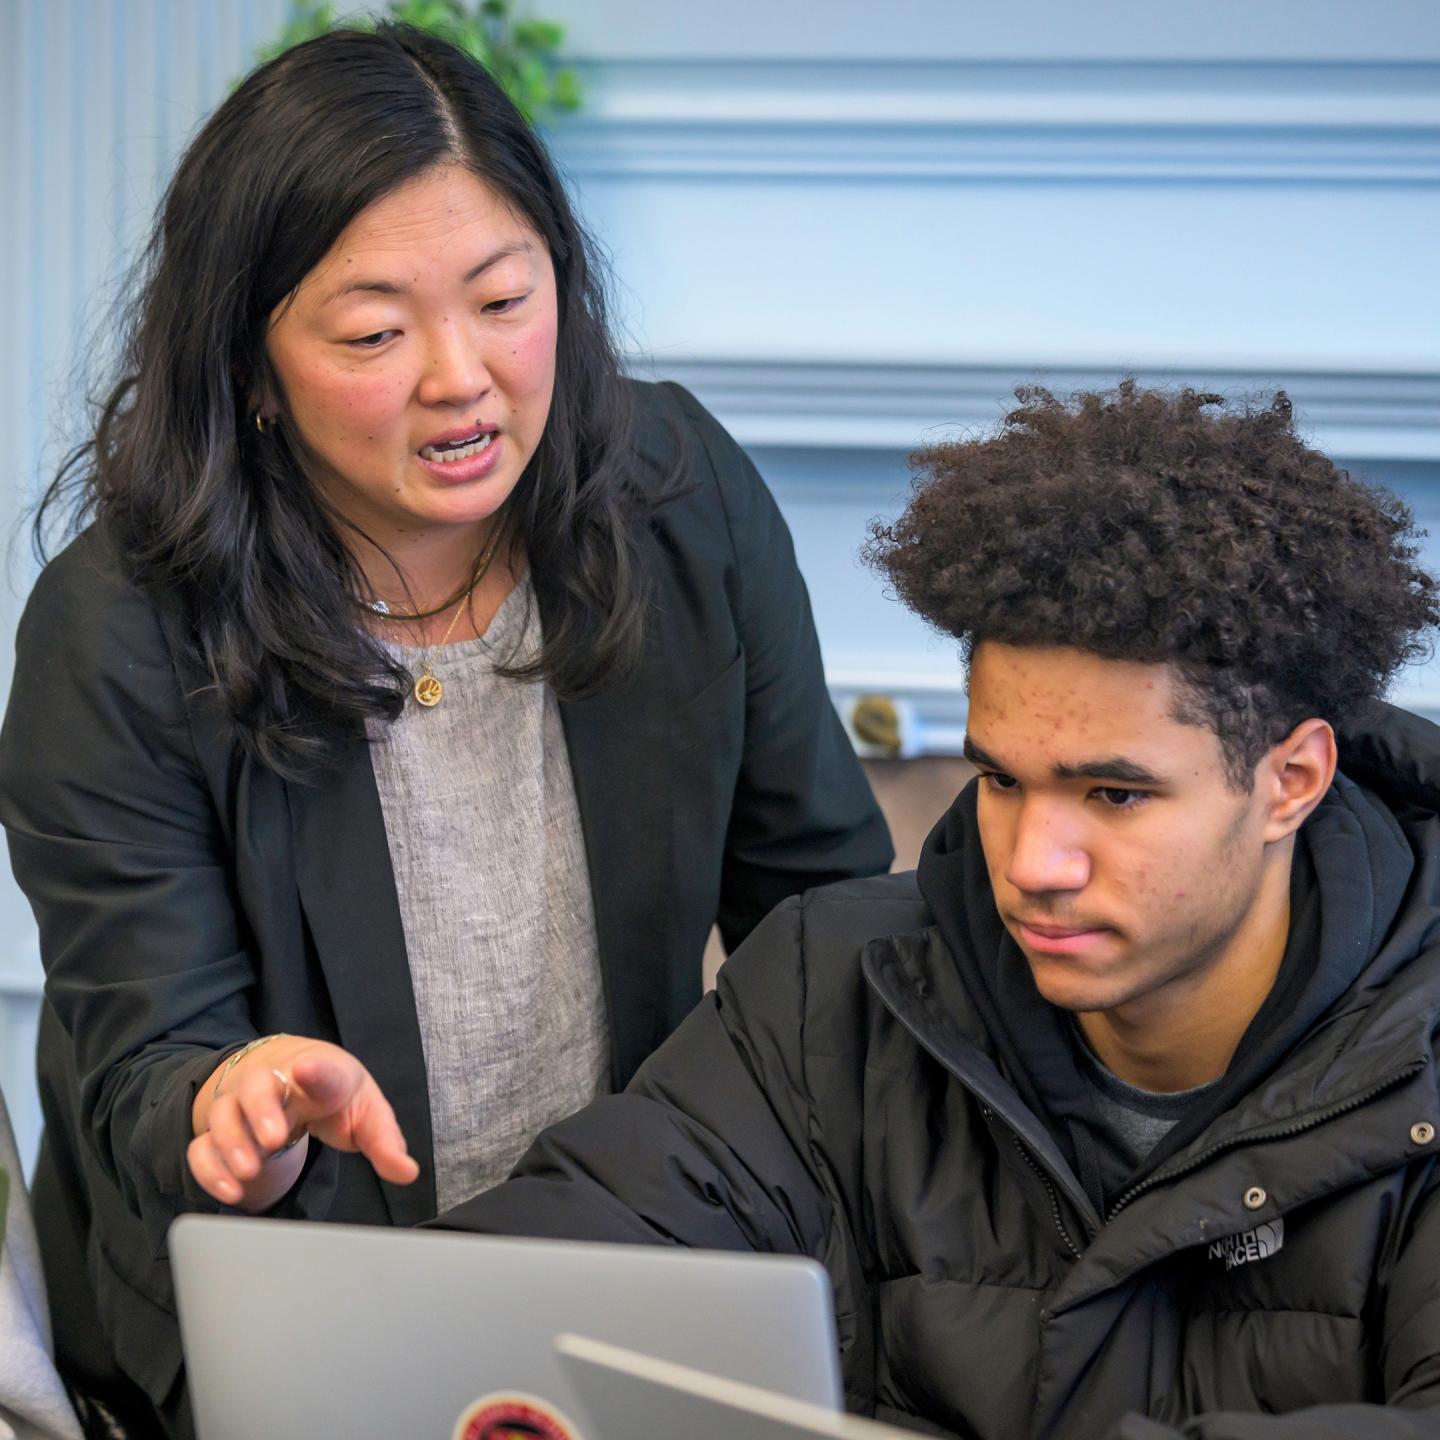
503,1416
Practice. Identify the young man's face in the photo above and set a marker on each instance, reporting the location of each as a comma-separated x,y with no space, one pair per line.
1123,864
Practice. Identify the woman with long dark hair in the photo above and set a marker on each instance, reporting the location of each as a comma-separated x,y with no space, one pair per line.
416,696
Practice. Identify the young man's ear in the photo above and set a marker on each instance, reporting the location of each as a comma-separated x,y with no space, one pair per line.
1297,772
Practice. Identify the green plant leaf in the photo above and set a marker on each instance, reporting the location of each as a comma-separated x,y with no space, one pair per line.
566,93
424,14
519,53
539,35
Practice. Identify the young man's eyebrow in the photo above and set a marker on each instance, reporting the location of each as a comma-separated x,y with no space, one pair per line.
976,756
360,285
1113,767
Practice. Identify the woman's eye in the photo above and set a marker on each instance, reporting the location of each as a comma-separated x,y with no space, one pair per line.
372,342
503,307
1118,799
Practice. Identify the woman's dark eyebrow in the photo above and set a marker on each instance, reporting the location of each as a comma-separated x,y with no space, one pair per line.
387,287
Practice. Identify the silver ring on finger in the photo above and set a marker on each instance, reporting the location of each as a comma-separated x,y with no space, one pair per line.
284,1087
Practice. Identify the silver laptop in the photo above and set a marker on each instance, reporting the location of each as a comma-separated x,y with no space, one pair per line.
295,1330
623,1395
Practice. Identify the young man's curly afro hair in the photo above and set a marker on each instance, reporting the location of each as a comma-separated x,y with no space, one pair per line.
1170,526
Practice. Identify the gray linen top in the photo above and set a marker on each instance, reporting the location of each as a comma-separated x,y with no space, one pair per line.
489,863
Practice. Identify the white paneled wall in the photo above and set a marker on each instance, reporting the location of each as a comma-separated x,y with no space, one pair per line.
847,235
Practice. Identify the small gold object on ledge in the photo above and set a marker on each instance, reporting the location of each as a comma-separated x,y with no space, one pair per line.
876,722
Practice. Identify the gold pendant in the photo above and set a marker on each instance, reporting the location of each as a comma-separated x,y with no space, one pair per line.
428,689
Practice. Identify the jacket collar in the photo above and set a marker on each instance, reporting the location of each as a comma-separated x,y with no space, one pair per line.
348,895
1322,1124
915,978
612,739
350,903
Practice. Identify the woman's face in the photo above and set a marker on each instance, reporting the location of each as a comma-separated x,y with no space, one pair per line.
417,359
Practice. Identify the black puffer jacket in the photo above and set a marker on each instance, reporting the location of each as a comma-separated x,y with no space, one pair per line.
850,1092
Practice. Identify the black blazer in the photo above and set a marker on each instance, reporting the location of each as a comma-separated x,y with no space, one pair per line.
188,898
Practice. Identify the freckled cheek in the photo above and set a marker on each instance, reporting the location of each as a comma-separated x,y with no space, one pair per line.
530,361
353,409
1164,894
1132,874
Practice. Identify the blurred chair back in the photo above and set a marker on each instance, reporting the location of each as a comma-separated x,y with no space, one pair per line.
33,1404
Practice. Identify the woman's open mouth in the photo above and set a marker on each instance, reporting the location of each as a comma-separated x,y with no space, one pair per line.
450,451
462,455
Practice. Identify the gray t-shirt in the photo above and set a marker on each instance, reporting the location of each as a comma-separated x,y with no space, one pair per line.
490,870
1129,1122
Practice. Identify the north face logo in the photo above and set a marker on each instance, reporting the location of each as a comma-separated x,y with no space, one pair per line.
1249,1245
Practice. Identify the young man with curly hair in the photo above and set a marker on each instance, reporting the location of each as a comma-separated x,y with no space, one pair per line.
1119,1117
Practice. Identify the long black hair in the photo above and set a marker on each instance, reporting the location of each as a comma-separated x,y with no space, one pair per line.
217,519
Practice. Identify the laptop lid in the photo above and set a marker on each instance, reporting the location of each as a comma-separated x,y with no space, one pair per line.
623,1394
293,1330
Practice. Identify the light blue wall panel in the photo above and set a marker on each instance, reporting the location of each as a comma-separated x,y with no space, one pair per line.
1245,277
854,33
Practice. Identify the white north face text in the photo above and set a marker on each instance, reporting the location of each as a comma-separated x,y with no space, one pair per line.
1249,1245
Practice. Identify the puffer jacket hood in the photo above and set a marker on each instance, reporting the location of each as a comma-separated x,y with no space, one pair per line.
1351,893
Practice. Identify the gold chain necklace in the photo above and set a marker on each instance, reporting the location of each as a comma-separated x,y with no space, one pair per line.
384,610
428,690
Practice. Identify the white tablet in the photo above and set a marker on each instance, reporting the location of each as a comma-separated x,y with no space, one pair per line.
624,1394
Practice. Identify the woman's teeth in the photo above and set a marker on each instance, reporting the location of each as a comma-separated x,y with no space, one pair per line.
446,453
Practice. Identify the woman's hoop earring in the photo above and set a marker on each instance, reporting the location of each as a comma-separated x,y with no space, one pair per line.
261,423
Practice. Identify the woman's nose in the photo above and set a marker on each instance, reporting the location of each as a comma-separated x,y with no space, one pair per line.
455,369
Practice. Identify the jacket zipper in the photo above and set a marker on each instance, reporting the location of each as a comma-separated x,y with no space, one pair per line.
1281,1132
991,1104
1055,1213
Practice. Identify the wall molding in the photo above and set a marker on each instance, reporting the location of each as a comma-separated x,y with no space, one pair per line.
1380,414
932,710
1374,414
1334,123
